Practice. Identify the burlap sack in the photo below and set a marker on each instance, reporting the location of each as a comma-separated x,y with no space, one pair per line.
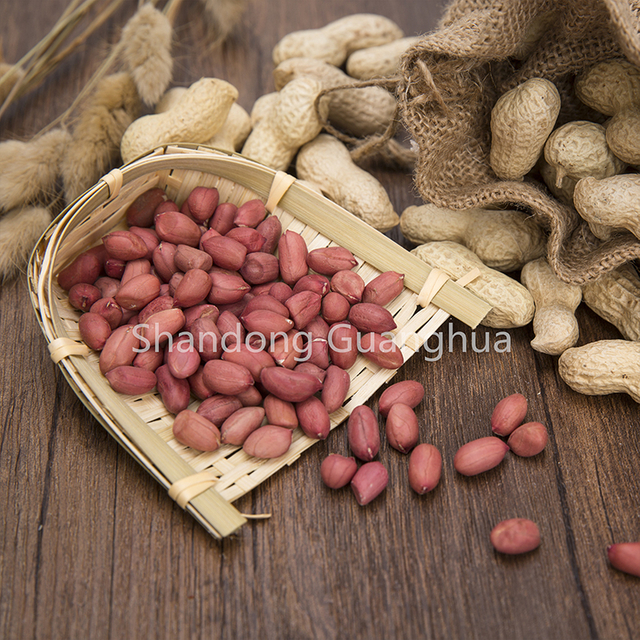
451,79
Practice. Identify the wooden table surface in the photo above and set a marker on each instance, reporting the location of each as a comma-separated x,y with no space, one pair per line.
92,547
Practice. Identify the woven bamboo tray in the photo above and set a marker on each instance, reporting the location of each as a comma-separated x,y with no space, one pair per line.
141,424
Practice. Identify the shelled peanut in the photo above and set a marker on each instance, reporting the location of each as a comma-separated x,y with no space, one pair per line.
200,306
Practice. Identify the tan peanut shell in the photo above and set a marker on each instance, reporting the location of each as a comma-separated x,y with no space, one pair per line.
562,188
623,135
327,162
554,324
284,123
231,135
197,116
603,367
380,61
503,240
521,121
335,41
512,304
579,149
615,296
360,112
609,86
610,202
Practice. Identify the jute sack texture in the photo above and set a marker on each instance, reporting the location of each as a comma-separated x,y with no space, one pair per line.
451,79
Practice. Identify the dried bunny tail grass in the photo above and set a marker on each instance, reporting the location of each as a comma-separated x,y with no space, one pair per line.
95,144
9,75
222,16
29,170
146,41
20,230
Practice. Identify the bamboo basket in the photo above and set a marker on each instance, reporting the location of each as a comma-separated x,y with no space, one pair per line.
141,424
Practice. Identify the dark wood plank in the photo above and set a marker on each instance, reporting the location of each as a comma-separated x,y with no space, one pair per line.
92,547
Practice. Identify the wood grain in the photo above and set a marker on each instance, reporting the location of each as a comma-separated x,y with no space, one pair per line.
91,547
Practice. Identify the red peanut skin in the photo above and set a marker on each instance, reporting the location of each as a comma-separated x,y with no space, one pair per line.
114,268
227,288
164,260
363,433
253,360
119,349
195,431
260,268
349,284
227,378
515,536
193,288
131,380
330,260
335,307
227,253
135,268
218,408
281,291
161,303
402,428
250,214
108,286
268,303
280,412
292,256
271,229
291,386
183,359
175,392
369,482
140,211
250,238
149,237
528,439
161,323
313,282
480,455
266,322
268,441
313,418
371,317
425,468
149,359
343,345
109,309
222,219
175,227
335,388
407,392
85,268
384,288
240,424
625,556
94,330
202,202
337,471
187,257
124,245
312,369
198,388
303,307
138,292
508,414
83,296
250,398
381,351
